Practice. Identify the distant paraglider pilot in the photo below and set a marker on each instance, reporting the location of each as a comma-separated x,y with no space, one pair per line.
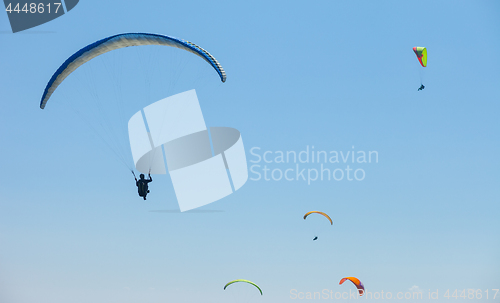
315,238
421,87
142,185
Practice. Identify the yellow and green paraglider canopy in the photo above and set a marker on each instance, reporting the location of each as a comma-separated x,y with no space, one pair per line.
421,53
244,281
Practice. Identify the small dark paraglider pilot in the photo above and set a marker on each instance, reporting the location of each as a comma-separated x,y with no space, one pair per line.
315,238
421,87
142,185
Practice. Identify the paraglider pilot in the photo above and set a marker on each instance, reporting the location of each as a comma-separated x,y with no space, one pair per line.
421,87
142,185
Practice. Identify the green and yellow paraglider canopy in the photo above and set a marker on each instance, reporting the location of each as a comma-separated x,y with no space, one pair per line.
245,281
421,53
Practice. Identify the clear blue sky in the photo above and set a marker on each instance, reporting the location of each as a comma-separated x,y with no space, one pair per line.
328,74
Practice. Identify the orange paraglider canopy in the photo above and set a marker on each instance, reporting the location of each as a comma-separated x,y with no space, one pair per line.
319,212
359,285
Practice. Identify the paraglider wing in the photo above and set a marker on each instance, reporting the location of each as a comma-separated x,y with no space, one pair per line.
120,41
421,53
355,281
245,281
319,212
